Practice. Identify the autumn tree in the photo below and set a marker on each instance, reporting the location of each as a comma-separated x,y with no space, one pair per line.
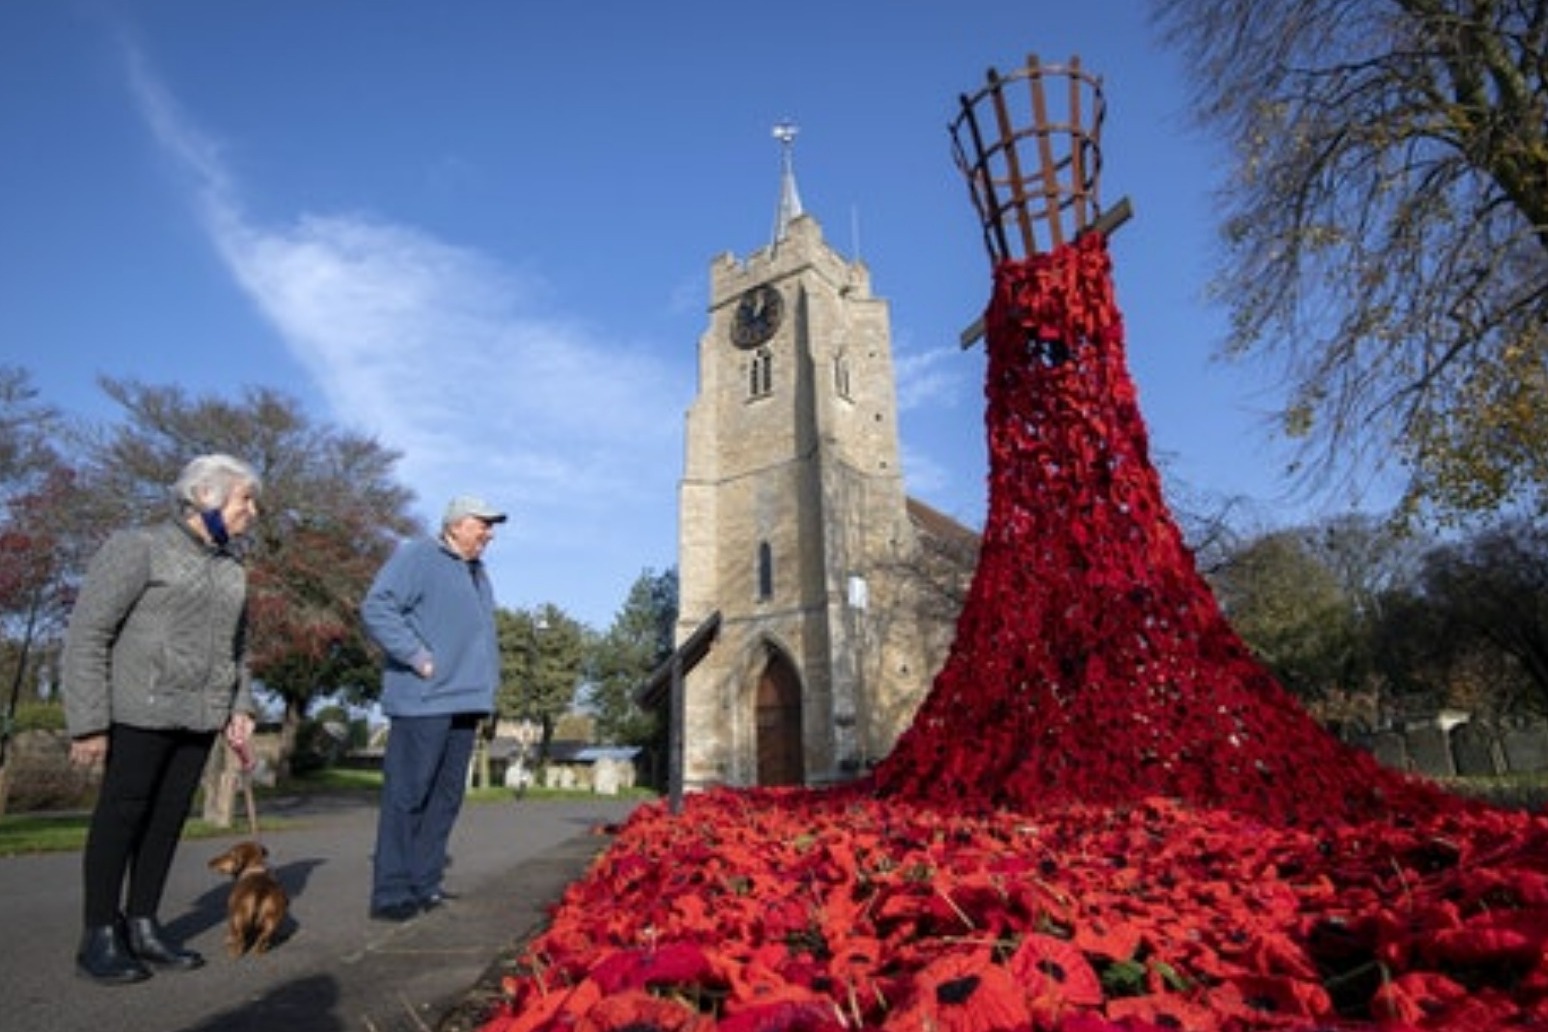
1367,624
1429,663
1386,223
35,520
331,512
624,656
1491,596
42,547
1291,610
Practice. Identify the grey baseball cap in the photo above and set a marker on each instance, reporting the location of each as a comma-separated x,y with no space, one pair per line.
463,506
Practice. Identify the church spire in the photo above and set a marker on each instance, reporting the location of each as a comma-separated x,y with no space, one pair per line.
789,198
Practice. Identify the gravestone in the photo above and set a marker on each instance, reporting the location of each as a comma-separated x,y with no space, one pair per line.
1429,748
606,778
1526,749
1390,749
1475,748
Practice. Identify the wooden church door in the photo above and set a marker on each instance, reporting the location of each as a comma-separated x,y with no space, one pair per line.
779,725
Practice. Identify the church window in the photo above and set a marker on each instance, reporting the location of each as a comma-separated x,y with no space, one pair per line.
841,376
765,571
760,374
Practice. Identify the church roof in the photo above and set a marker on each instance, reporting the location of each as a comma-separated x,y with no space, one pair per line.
930,520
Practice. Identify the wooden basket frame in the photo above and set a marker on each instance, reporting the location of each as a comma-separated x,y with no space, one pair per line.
1034,173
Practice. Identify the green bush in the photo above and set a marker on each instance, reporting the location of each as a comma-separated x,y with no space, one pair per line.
38,716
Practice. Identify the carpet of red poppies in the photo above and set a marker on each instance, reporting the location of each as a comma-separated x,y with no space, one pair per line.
1105,816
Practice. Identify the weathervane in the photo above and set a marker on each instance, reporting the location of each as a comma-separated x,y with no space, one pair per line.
789,199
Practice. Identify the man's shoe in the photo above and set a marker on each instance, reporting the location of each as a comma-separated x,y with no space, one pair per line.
439,897
104,958
147,942
395,912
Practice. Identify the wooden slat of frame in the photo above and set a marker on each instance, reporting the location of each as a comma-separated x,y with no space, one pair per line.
1014,177
1047,163
981,183
1079,195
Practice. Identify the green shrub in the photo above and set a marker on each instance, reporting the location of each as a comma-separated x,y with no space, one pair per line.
38,716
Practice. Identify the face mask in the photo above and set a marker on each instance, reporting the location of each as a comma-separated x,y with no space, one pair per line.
215,525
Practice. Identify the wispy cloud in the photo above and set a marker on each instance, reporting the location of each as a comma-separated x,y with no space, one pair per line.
443,353
936,386
938,377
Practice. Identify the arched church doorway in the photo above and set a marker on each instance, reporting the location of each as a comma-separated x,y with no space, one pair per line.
779,724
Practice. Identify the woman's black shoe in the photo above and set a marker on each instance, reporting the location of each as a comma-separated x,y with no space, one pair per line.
146,943
104,957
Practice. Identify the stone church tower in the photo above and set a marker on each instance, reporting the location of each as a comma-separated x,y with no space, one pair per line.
794,527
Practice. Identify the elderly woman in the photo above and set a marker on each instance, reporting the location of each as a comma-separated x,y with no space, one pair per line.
155,667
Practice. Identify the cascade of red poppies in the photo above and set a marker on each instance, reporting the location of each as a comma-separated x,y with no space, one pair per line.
1092,663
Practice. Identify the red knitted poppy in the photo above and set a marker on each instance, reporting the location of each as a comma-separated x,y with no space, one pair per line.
1091,662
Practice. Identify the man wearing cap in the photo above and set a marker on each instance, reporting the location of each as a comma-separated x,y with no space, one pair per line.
431,609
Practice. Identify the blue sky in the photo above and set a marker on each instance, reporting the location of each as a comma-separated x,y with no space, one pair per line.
481,231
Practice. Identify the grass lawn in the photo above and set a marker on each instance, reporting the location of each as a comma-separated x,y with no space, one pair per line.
23,833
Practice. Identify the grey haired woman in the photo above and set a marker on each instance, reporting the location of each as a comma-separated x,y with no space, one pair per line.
154,669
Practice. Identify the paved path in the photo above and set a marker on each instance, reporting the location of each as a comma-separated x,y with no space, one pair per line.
337,970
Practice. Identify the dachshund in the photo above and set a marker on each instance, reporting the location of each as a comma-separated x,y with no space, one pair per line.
258,902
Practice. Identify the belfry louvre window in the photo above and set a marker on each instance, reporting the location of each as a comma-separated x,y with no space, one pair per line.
760,374
765,571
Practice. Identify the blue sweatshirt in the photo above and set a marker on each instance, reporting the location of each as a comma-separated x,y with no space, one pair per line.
427,602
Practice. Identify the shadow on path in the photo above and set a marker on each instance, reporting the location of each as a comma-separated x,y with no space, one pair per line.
305,1005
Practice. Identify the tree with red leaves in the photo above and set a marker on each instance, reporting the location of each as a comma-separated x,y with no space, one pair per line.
331,513
41,545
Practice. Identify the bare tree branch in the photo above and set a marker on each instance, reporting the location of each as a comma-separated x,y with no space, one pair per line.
1386,219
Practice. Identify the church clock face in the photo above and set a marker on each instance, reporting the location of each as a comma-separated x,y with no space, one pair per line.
757,317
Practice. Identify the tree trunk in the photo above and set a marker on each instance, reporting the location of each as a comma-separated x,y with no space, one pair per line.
484,746
481,768
290,732
220,785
